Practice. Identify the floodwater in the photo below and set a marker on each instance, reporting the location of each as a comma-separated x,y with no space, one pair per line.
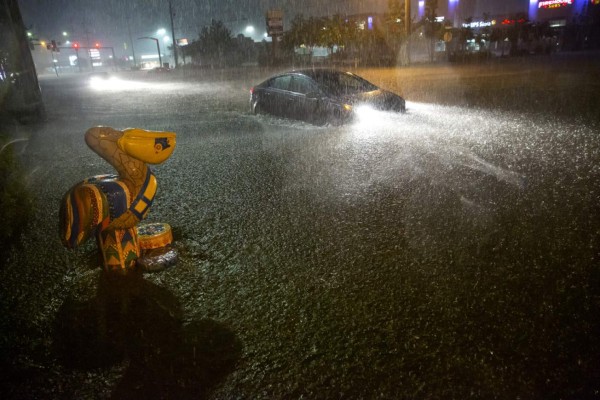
448,252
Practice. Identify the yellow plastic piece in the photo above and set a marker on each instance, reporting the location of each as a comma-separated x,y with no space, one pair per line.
155,235
151,147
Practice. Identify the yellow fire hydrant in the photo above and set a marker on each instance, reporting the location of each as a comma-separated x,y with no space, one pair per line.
110,206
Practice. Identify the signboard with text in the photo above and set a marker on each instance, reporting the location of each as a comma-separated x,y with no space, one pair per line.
554,3
274,22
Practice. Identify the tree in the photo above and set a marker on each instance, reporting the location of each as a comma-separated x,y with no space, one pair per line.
432,28
214,46
336,31
394,21
305,33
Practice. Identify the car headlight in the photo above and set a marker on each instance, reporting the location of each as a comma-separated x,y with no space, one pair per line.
365,112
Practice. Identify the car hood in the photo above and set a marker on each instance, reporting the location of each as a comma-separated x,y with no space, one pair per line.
379,99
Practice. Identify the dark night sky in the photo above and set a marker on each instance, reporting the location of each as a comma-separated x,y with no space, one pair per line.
53,16
107,20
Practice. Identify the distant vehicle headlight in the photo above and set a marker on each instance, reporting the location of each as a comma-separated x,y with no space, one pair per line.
103,82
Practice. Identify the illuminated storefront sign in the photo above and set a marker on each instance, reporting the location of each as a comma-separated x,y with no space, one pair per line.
507,21
479,24
546,9
554,3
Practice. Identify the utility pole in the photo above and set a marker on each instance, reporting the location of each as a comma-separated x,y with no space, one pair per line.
407,22
89,49
173,34
131,41
54,62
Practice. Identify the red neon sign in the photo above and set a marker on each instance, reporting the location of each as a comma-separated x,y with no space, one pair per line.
554,3
507,21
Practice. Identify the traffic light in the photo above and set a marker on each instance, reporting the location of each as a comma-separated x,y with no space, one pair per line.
76,46
97,45
54,46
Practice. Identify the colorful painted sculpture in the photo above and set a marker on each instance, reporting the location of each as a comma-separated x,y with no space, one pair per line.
110,206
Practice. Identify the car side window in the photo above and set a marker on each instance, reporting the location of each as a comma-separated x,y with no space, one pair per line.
281,82
301,85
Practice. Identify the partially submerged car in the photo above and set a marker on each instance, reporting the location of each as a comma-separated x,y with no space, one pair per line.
320,96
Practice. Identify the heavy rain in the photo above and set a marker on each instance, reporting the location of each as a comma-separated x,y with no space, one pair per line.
450,251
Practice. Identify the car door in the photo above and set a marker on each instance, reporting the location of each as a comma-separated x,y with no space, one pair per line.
278,94
304,98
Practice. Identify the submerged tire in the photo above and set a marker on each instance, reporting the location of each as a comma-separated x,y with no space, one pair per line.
257,108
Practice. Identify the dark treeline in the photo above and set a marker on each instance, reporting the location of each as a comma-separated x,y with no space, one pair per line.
348,40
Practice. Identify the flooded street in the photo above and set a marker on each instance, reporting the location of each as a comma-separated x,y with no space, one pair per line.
448,252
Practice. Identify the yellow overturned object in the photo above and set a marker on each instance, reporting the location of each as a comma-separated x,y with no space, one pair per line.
154,235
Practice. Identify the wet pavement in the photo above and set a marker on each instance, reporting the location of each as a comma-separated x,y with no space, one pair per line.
449,252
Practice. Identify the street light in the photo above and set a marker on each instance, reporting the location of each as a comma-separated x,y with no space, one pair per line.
65,34
157,47
161,31
173,35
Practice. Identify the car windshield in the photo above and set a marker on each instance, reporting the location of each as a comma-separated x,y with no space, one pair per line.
343,83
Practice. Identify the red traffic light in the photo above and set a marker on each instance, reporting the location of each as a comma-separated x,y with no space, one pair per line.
75,45
97,45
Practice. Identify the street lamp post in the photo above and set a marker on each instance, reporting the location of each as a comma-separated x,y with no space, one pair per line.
131,42
407,26
173,35
157,47
76,46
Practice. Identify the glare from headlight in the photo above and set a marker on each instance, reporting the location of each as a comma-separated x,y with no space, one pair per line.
102,83
365,113
114,84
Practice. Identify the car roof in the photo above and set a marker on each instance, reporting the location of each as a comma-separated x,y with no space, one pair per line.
317,73
314,73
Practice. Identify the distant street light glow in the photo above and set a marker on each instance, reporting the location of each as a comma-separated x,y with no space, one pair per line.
161,31
65,33
250,29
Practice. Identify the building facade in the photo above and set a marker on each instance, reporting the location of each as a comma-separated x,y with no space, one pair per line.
557,12
457,11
